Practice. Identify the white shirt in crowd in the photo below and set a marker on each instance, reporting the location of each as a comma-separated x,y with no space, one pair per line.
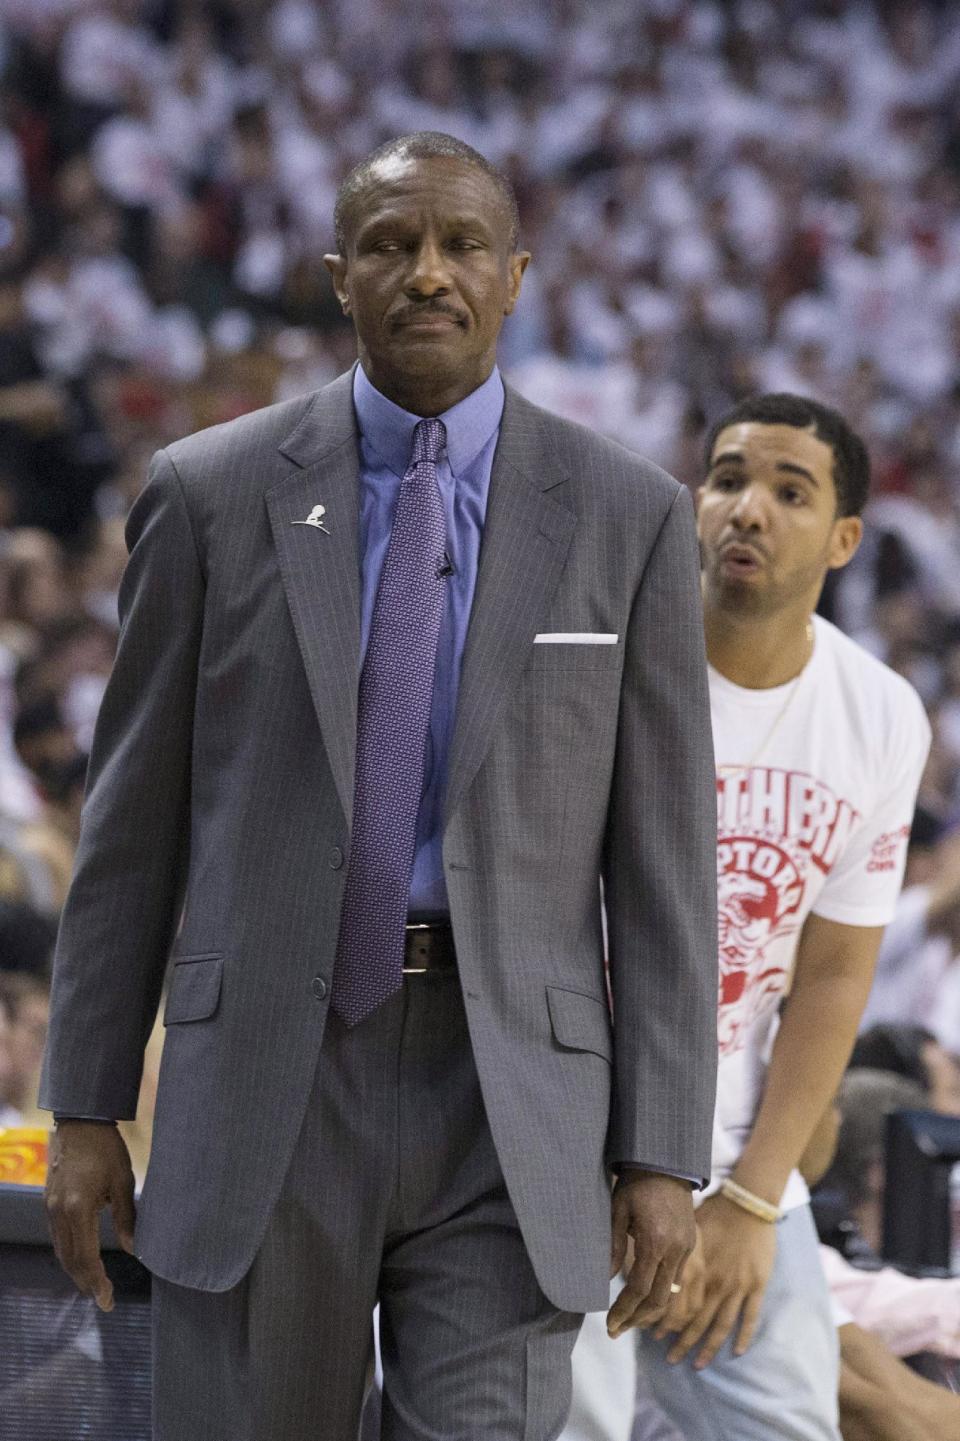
816,783
912,969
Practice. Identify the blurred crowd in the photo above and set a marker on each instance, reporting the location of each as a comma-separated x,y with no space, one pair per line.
719,198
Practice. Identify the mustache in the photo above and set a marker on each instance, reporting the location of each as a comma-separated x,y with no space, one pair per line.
427,308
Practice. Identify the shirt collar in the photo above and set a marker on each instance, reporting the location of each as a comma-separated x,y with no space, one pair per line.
389,429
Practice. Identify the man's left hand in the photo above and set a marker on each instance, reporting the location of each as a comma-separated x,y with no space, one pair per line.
656,1211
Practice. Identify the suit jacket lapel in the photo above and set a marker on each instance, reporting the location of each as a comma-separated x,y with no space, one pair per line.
526,536
321,569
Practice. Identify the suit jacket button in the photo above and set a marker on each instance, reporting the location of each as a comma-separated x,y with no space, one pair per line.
335,858
319,988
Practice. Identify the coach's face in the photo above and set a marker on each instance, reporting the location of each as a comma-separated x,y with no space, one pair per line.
767,519
428,276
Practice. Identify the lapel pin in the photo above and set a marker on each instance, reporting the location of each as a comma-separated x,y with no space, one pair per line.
315,518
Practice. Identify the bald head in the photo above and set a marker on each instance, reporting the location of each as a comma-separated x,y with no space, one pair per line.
392,160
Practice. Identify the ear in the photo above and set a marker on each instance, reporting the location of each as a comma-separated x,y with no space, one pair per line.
844,541
697,498
337,266
517,264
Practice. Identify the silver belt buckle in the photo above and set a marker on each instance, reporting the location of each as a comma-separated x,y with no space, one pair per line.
415,970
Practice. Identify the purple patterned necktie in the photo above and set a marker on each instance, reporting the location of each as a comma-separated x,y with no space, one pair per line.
396,697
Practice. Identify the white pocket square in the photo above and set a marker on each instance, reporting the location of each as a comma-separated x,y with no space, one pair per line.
575,637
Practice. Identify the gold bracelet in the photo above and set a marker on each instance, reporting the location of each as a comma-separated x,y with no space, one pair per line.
747,1201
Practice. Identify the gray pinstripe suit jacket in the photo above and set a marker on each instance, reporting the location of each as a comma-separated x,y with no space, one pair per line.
222,773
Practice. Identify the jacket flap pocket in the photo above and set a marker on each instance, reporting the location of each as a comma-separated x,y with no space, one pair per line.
194,989
580,1022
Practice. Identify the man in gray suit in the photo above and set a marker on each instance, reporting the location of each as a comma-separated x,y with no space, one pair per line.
406,667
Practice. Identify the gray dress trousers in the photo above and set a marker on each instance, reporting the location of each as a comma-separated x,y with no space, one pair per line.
395,1193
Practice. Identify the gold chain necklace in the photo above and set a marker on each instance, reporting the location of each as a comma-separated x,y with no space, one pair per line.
778,718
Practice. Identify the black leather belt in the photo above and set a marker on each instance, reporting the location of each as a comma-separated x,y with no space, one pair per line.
428,947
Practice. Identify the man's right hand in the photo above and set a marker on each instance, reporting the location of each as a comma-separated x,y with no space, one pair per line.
89,1168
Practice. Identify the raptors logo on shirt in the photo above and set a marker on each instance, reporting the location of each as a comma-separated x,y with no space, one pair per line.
772,826
814,801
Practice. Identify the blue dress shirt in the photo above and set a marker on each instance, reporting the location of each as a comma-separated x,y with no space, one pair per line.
463,474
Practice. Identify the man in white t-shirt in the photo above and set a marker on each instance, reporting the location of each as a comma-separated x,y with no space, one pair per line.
819,751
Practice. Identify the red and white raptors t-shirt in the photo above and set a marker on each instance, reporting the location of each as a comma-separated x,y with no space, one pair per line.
816,783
